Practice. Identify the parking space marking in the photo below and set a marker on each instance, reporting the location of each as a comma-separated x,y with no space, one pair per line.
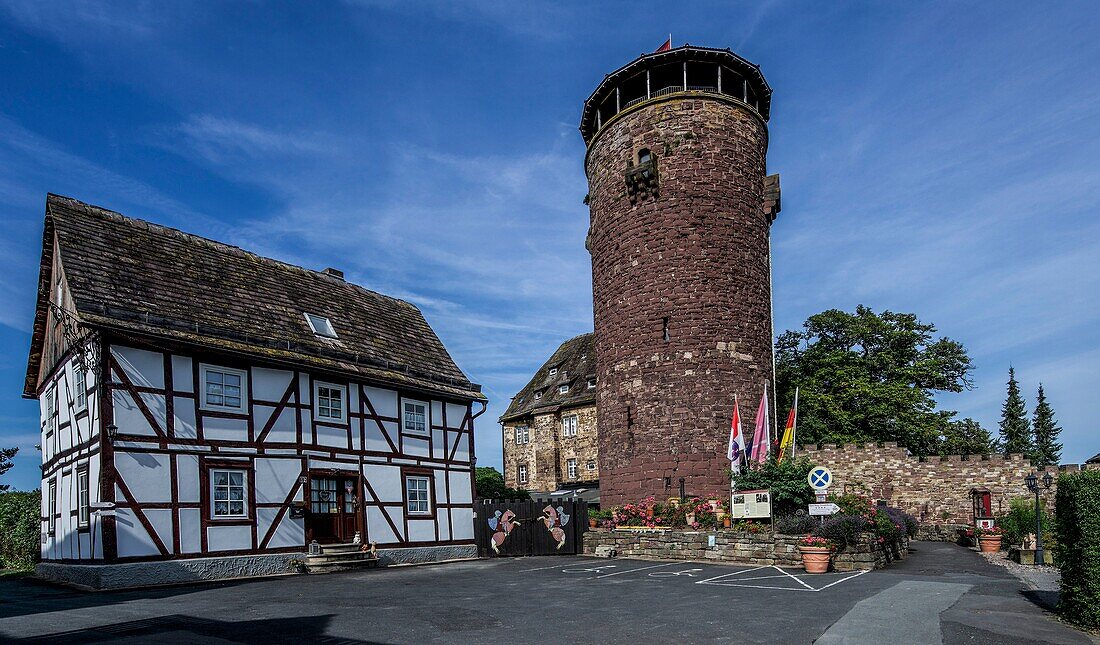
589,569
553,566
619,573
843,579
670,574
726,575
793,577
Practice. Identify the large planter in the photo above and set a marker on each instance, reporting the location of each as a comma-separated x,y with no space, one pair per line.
815,559
989,543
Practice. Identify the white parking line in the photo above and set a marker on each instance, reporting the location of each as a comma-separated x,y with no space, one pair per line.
795,578
843,579
726,575
553,566
619,573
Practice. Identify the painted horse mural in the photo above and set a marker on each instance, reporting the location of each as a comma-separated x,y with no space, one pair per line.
554,520
502,525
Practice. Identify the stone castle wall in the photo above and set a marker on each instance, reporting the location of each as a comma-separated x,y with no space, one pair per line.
694,257
548,453
760,549
935,490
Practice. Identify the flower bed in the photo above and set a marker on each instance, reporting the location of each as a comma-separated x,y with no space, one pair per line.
740,547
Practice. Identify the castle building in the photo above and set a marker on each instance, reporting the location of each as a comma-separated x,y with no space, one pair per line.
213,411
550,426
681,207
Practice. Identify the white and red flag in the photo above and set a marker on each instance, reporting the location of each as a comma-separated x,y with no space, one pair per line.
736,449
665,47
761,436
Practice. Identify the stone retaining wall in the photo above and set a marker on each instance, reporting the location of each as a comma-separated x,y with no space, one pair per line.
741,548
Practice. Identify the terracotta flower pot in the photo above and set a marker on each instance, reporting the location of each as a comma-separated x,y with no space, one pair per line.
726,521
593,522
989,543
815,559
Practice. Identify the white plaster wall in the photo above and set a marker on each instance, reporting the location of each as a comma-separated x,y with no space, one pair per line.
378,530
461,487
183,412
275,478
269,384
147,475
127,415
462,523
386,482
421,530
443,515
187,478
190,530
225,429
455,415
228,538
384,401
183,378
133,539
142,367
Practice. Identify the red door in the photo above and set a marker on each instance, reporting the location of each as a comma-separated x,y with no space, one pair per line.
333,509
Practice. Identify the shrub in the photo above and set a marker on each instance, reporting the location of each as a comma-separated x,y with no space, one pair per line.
489,484
843,529
1077,553
786,480
1020,520
20,528
795,524
909,524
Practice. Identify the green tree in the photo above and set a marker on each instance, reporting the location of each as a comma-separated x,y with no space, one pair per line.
967,437
6,456
1048,450
864,376
1015,429
489,484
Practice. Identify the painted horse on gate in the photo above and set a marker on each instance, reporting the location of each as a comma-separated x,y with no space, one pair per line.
502,525
554,520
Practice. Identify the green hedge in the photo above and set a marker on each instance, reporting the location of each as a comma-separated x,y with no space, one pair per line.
20,529
1077,517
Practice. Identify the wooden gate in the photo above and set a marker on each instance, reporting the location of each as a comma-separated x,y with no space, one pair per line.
539,527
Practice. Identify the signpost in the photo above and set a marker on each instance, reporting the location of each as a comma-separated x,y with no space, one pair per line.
823,509
819,479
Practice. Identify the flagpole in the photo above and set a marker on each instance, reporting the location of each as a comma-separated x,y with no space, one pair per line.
794,428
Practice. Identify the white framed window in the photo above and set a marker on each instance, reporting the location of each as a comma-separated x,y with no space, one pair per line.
591,384
523,435
414,417
591,465
418,495
320,325
51,423
228,493
569,426
80,387
562,389
538,395
82,514
51,510
553,371
571,468
224,389
330,402
521,473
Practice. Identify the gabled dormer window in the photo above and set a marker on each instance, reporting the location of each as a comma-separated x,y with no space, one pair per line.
538,395
591,384
553,371
562,389
320,325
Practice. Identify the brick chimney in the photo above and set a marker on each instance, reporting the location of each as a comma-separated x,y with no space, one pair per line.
336,273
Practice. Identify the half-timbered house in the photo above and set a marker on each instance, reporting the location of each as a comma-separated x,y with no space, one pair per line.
208,412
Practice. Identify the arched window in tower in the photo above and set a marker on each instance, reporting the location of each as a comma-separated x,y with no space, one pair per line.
644,156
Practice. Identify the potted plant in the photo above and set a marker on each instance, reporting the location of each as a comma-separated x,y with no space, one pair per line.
726,522
989,540
816,553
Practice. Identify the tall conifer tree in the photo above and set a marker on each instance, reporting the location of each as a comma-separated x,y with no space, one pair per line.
1048,450
1015,428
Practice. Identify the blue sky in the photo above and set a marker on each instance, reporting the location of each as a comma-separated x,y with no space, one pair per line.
936,158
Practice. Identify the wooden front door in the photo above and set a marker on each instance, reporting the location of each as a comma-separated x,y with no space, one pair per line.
333,508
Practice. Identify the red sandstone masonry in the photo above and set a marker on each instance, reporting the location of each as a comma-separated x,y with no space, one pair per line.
698,255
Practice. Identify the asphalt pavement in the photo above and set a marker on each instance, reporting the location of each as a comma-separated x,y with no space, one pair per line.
942,593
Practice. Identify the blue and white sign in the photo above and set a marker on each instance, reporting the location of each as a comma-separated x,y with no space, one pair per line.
820,478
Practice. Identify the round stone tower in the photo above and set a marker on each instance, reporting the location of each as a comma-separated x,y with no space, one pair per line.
681,209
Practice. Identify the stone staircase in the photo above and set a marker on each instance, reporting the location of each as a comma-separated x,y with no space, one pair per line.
341,557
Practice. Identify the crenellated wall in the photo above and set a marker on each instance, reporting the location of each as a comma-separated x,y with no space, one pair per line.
936,490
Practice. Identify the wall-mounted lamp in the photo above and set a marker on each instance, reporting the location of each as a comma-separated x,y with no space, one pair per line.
112,432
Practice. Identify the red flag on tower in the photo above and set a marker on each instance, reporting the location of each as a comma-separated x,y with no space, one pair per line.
665,47
736,449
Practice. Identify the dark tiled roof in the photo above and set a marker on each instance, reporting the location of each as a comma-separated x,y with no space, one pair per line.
575,361
1094,460
137,277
